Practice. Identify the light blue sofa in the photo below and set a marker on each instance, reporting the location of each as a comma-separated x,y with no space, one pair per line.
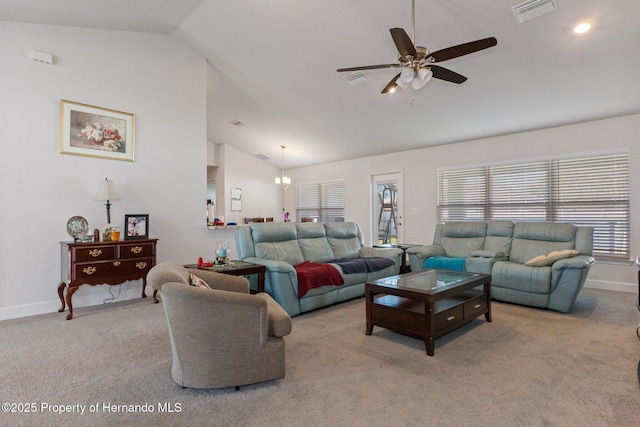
280,246
503,248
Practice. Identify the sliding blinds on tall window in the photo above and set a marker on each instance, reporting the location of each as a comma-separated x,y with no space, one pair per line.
590,191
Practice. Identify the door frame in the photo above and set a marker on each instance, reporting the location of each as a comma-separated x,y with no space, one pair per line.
374,178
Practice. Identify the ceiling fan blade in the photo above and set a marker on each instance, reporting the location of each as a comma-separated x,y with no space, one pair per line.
391,85
403,42
448,75
463,49
369,67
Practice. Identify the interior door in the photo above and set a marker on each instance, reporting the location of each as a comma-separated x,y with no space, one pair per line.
386,208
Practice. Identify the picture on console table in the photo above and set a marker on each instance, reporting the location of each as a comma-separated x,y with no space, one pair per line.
86,130
136,227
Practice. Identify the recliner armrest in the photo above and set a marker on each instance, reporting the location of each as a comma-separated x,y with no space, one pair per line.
487,254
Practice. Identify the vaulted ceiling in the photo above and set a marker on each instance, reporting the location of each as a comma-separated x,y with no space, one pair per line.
273,67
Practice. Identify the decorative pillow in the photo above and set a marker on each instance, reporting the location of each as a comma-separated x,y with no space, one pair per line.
550,258
198,282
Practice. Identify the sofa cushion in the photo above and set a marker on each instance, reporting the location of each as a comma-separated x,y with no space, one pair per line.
287,251
550,258
531,239
313,242
277,241
521,278
460,247
345,239
499,236
316,249
459,239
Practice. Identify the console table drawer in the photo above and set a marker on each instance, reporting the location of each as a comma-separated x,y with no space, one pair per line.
133,267
449,317
136,250
93,271
94,253
99,270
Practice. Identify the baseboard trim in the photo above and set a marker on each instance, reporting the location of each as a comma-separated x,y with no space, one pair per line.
612,286
52,306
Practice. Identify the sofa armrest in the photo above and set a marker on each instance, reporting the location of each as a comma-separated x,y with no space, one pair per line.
567,278
488,254
580,262
417,255
223,282
272,265
281,282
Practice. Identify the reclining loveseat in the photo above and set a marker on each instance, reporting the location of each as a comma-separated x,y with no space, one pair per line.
531,263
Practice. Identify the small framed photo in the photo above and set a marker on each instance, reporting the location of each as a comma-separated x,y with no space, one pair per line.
136,227
87,130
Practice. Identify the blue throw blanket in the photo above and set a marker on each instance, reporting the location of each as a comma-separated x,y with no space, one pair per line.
444,263
362,265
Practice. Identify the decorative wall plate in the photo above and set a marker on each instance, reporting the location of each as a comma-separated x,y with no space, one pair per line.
77,226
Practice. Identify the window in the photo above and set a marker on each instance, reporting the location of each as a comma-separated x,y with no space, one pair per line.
324,201
591,191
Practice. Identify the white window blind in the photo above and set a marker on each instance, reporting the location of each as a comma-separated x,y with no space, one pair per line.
592,191
324,201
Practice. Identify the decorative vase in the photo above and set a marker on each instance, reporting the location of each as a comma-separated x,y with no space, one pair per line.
223,252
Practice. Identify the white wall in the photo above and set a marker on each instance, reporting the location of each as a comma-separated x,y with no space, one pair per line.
153,76
419,168
261,197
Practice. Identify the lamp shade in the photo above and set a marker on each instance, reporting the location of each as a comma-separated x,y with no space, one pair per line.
107,191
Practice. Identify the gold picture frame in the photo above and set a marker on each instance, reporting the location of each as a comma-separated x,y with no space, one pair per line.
87,130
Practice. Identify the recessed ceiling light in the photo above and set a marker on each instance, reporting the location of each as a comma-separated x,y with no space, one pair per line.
582,27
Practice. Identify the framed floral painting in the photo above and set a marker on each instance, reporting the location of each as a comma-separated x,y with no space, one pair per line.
86,130
136,226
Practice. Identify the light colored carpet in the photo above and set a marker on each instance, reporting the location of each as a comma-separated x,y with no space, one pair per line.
528,367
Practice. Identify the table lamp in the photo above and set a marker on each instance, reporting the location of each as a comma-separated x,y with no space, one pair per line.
108,192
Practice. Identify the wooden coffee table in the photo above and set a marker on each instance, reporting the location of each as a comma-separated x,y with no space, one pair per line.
427,304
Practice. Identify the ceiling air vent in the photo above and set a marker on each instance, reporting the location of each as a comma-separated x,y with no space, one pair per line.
356,78
263,156
530,9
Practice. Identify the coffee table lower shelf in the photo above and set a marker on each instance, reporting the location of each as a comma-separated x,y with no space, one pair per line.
423,319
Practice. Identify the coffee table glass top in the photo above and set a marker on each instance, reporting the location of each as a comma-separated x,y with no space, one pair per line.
428,281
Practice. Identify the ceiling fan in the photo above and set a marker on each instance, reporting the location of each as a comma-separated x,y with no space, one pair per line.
418,62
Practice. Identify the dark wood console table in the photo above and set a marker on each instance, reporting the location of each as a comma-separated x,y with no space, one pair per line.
104,263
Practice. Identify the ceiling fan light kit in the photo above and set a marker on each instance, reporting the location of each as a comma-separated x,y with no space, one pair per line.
419,64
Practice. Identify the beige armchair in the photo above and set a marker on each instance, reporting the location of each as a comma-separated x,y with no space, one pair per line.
220,337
